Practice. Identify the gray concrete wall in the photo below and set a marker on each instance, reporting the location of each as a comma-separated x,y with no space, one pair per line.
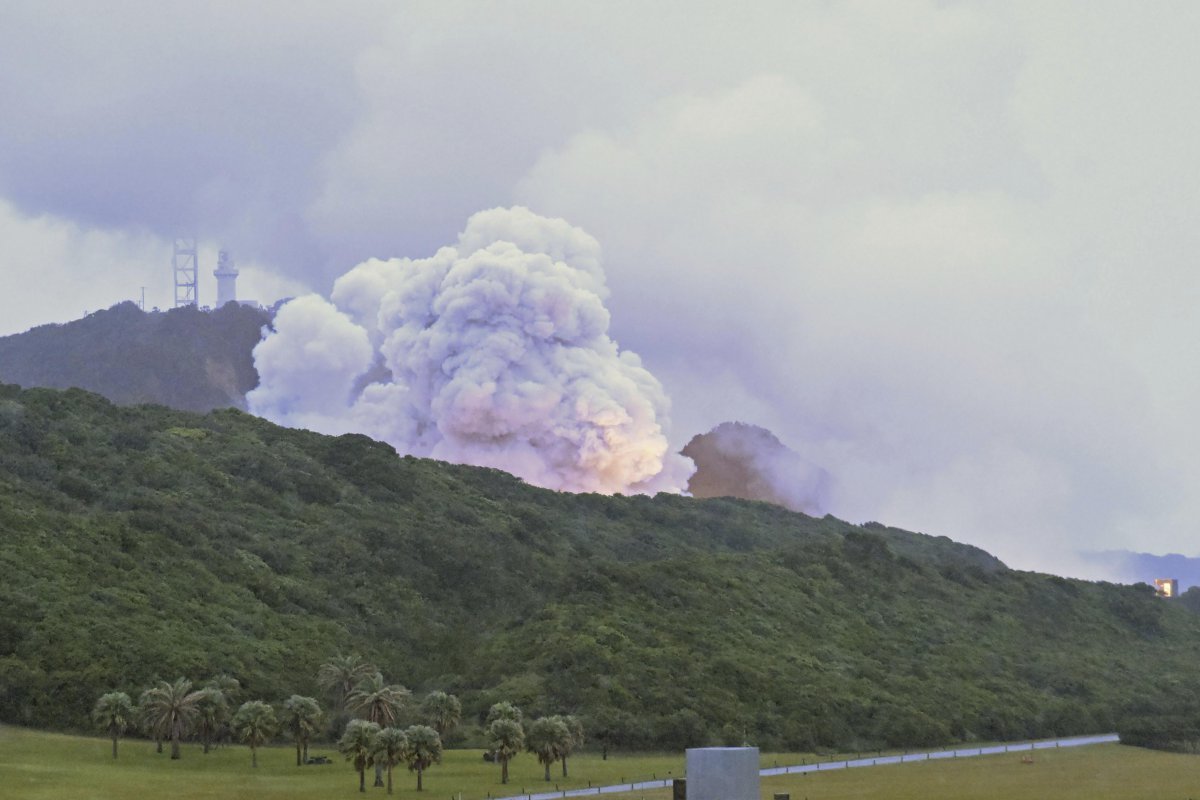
722,773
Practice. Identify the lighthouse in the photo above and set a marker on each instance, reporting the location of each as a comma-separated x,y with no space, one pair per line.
226,274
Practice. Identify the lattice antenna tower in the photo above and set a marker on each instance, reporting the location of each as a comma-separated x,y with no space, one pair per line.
184,264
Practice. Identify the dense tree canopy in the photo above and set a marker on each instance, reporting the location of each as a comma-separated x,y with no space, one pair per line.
224,544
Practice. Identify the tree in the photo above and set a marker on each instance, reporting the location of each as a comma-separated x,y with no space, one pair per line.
357,744
339,675
212,709
502,710
424,749
505,739
388,751
378,702
170,709
230,686
147,722
546,739
442,711
610,727
573,741
115,713
255,723
302,717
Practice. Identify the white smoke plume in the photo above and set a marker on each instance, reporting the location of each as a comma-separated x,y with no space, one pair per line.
494,352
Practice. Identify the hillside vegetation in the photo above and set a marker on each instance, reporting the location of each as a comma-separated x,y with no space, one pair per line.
183,358
139,543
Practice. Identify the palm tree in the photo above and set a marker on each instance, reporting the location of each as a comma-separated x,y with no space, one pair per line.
505,739
340,675
302,716
357,744
573,742
442,711
255,723
230,686
545,739
114,712
379,703
390,746
212,709
170,709
146,721
503,710
424,749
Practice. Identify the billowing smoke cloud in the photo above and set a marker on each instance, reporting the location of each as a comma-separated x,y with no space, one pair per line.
494,352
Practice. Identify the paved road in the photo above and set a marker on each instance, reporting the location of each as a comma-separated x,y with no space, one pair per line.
824,766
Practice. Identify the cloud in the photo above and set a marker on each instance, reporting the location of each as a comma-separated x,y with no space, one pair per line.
906,314
494,352
936,247
56,270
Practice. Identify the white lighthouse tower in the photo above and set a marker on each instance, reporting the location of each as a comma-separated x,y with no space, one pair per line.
226,274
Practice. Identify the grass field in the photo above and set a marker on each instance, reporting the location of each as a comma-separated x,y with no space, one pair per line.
39,765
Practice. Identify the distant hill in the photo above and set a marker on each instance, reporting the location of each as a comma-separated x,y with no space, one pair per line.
183,358
141,542
745,461
1133,567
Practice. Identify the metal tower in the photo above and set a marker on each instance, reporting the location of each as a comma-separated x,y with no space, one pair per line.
226,274
184,263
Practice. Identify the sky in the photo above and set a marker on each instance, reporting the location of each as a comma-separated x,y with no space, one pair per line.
945,251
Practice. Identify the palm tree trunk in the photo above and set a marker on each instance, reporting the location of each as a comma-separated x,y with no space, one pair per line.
504,770
114,746
306,750
157,743
298,761
175,734
254,756
564,766
362,779
547,772
379,774
390,779
420,774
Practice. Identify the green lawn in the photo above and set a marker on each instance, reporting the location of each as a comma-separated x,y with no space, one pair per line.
38,765
1096,772
41,765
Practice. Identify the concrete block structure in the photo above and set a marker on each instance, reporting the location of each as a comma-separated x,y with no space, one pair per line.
722,773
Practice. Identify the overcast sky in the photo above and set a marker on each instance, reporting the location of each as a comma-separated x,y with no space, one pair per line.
945,250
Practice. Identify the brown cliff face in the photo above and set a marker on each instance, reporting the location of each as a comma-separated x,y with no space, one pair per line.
748,462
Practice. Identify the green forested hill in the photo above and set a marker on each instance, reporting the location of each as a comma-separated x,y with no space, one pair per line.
183,358
140,543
